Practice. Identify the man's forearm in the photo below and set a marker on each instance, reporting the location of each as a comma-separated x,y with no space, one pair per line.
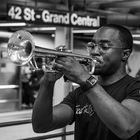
42,110
116,116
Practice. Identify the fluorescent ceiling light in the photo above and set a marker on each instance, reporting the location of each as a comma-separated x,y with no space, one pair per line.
8,86
14,24
48,28
54,28
136,35
42,28
5,34
136,42
84,31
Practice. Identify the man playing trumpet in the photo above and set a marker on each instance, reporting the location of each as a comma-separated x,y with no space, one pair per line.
107,108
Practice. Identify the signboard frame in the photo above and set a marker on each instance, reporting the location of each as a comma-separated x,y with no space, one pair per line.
35,15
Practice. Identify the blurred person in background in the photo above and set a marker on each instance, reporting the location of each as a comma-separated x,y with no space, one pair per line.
30,84
103,108
27,93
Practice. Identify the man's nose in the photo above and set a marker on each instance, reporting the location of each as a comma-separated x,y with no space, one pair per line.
96,50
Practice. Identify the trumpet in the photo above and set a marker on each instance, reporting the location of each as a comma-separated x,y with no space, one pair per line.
22,50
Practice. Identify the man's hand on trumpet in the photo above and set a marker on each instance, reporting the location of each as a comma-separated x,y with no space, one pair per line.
72,69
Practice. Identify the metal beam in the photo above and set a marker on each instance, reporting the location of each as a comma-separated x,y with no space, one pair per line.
121,4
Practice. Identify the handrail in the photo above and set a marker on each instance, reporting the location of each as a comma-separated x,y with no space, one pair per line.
51,136
15,118
19,122
28,120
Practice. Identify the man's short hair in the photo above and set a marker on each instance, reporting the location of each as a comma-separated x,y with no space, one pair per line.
125,35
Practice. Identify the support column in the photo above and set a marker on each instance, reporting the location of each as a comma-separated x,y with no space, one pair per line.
63,36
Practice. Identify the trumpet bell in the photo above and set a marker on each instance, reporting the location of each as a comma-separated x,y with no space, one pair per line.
20,47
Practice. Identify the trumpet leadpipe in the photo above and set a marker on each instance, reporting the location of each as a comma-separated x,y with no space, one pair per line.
44,52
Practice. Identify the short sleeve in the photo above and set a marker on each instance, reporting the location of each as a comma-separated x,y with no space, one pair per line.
134,91
70,100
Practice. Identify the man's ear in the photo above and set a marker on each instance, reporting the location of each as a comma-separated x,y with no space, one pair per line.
126,54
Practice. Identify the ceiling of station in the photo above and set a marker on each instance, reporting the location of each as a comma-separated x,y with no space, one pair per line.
125,12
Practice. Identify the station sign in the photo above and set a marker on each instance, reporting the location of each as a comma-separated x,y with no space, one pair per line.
45,16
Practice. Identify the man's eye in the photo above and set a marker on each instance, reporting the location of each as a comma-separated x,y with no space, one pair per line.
91,45
104,45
